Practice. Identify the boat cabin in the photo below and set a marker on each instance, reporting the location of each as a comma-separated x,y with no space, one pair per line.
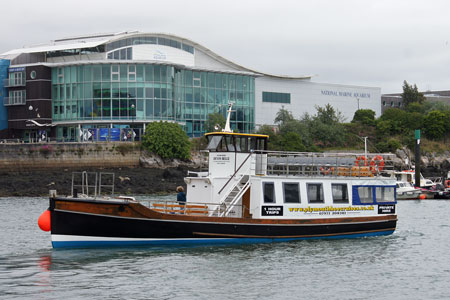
246,180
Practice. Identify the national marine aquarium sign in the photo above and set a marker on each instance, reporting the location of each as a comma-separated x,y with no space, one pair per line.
344,94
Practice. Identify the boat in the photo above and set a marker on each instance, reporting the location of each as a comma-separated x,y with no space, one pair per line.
406,191
248,195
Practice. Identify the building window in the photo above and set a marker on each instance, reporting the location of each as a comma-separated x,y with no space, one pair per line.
339,192
269,192
115,73
392,103
384,103
315,192
276,97
291,192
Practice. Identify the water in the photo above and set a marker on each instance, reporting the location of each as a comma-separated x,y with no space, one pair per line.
413,263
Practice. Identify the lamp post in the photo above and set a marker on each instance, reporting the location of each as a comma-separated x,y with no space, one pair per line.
132,120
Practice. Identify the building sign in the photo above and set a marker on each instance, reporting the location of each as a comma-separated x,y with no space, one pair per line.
11,70
159,55
386,209
272,211
344,94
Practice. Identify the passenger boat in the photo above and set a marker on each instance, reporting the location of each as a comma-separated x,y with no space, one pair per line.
248,195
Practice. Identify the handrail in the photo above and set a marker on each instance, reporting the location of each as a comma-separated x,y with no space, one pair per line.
245,160
236,198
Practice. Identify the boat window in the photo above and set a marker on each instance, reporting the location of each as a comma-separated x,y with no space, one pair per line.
229,143
385,194
365,194
340,192
243,141
214,142
252,143
291,192
269,192
261,144
315,192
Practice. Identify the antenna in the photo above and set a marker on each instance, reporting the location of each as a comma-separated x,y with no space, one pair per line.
227,124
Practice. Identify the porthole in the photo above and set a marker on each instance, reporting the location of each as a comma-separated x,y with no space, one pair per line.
33,74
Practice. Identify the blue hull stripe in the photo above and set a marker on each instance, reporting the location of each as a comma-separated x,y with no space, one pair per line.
209,241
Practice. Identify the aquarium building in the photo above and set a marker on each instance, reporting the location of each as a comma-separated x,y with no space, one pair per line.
128,79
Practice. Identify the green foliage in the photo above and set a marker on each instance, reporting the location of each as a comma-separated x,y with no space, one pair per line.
292,141
389,146
283,116
214,120
167,140
411,94
364,116
435,124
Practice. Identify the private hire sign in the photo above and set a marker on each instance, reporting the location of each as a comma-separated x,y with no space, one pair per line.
344,94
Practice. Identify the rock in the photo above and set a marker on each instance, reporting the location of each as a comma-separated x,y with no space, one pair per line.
122,179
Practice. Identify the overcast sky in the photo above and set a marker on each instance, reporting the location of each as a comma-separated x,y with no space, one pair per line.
356,42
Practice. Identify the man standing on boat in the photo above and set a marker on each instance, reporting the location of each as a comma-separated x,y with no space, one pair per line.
181,196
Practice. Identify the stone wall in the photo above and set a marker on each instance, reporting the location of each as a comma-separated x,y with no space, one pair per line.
69,155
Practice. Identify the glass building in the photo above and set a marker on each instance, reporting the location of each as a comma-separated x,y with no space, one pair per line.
129,94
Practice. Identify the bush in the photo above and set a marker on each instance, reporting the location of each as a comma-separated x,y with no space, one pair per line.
168,140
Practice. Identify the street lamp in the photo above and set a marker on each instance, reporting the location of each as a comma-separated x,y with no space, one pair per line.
132,120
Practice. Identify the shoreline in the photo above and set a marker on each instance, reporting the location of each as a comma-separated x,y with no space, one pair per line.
128,181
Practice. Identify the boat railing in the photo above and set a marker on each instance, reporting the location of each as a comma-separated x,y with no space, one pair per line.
190,208
328,164
92,184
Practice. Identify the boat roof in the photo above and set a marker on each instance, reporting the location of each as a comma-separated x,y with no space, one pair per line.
238,134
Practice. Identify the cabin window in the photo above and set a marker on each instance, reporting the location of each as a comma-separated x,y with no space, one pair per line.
315,192
365,194
214,142
269,192
340,192
291,192
385,194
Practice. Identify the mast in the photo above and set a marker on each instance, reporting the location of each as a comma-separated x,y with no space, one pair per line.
227,124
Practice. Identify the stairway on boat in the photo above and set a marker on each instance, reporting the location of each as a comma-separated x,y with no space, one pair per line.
232,198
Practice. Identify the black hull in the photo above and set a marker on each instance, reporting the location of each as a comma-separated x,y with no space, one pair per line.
114,230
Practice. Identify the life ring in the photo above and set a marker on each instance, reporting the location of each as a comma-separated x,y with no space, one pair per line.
359,158
376,167
326,171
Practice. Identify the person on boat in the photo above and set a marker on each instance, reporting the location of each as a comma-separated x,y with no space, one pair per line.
181,196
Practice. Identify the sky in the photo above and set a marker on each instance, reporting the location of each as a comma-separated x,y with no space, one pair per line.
356,42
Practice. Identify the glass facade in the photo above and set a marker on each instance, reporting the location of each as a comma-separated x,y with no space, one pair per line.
149,92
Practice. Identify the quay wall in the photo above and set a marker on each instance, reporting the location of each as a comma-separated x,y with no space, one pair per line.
16,157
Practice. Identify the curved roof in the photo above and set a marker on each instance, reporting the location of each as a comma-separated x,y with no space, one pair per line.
90,41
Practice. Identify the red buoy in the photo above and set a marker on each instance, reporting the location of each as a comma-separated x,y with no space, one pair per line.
44,221
422,196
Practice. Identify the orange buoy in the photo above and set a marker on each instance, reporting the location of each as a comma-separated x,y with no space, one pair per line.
44,221
422,196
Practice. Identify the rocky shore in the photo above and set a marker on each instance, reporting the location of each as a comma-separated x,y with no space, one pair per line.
127,181
155,175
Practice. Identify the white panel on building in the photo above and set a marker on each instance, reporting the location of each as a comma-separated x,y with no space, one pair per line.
163,54
305,95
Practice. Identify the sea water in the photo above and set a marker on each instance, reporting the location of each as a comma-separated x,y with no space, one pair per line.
413,263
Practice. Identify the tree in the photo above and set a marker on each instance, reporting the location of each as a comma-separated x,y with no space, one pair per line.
411,94
292,141
434,124
328,115
364,116
283,116
167,140
214,120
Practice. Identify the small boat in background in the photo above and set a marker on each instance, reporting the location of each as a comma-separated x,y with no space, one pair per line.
406,191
